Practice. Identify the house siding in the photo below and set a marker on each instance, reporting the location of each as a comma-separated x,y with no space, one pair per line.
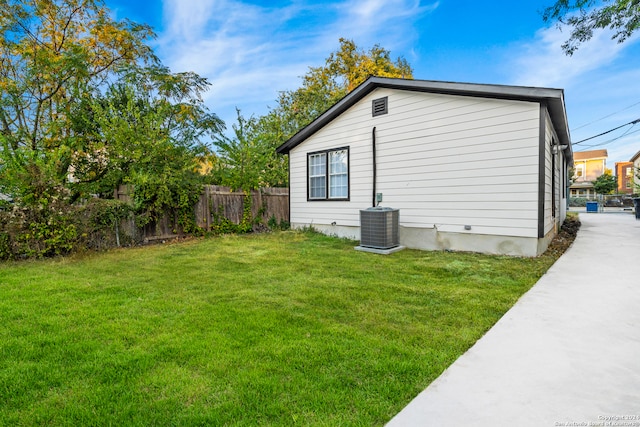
445,161
549,220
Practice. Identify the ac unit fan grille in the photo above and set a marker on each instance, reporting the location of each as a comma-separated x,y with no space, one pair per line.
379,228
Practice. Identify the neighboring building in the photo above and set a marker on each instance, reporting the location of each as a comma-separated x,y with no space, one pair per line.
471,167
624,174
636,169
587,167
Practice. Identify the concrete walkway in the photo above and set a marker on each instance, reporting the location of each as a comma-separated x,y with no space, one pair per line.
568,352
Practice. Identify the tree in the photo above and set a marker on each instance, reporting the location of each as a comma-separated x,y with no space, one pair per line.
55,54
85,105
247,161
323,86
140,119
585,16
605,183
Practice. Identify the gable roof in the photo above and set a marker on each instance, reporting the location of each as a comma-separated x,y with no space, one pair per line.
635,157
554,98
591,154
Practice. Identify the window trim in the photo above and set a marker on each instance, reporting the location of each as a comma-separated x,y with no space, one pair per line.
327,174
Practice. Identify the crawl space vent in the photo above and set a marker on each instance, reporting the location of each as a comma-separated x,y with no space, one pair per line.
379,228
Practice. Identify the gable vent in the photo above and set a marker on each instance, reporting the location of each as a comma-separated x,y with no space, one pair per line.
379,106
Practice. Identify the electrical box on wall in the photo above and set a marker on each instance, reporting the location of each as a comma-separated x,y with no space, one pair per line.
378,197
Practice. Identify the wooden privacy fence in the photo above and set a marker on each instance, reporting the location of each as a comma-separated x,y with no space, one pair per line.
265,204
217,201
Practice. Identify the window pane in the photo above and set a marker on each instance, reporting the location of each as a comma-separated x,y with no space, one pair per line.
338,162
317,188
338,175
339,186
317,176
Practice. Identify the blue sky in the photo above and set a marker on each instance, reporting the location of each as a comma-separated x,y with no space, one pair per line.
249,50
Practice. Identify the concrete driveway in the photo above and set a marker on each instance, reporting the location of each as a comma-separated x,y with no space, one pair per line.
568,352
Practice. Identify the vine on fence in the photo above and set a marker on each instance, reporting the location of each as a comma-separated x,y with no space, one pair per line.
223,225
51,226
153,201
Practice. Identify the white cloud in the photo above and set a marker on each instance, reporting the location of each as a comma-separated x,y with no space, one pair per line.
597,81
250,52
386,22
543,63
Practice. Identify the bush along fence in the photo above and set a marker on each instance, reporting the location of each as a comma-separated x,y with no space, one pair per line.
221,210
59,229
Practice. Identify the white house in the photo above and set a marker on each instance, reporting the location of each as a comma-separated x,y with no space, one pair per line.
471,167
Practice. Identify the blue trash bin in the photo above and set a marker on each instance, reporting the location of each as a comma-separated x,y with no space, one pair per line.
592,206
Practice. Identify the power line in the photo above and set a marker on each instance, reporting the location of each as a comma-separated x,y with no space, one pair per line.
605,117
606,132
627,132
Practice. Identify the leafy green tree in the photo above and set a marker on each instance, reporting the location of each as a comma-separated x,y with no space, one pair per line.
85,105
247,161
54,54
605,183
138,121
147,131
349,67
585,16
323,86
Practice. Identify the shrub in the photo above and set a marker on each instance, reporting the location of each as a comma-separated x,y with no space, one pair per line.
577,202
273,224
38,231
5,246
102,221
57,228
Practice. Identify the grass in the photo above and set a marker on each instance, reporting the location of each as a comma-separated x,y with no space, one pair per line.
270,329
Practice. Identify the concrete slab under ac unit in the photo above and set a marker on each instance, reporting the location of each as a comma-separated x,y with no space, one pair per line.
379,251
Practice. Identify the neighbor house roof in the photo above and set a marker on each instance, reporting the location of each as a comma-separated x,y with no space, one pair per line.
591,154
554,98
635,157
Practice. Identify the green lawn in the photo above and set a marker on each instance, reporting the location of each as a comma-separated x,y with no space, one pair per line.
269,329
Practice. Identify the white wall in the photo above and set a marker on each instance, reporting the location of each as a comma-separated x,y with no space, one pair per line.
549,221
445,161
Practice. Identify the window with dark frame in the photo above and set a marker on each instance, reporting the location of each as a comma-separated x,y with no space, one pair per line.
328,174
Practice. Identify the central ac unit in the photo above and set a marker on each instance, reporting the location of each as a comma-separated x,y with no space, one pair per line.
379,228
